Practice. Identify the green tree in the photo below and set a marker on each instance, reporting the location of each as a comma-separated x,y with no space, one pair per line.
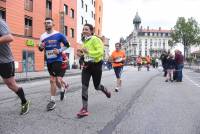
186,32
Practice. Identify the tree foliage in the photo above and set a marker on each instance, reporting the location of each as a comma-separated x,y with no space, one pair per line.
186,32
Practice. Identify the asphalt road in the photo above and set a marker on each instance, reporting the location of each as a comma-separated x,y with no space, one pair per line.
146,104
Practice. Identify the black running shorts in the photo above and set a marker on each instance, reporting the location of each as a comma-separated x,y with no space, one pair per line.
118,71
63,72
7,70
54,68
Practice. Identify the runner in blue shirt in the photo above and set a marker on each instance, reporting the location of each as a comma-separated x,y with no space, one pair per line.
50,42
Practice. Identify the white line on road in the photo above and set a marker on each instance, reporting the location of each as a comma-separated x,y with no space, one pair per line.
187,77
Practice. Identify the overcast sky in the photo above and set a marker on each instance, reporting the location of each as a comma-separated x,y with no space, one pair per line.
118,15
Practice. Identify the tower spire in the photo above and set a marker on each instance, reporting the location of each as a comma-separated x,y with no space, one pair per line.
137,21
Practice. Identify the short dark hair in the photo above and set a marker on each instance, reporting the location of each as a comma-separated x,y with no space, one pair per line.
91,28
118,44
48,18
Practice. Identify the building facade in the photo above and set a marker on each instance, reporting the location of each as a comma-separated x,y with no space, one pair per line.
98,17
27,24
106,47
85,14
145,41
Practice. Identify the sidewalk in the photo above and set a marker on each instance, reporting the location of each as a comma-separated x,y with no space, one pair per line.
22,77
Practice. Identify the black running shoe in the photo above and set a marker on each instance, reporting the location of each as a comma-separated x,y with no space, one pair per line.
106,92
51,105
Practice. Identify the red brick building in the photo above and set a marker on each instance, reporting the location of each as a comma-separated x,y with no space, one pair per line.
25,19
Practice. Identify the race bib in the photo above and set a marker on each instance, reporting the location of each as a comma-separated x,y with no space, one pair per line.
88,58
118,59
50,54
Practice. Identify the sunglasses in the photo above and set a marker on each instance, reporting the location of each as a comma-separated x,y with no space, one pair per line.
48,22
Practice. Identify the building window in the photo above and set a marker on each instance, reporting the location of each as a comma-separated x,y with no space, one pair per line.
145,53
82,20
134,51
92,14
72,13
28,26
163,46
3,14
140,52
92,1
155,43
49,4
82,4
85,21
72,32
99,20
164,43
99,8
159,43
66,9
28,5
85,7
140,46
48,8
65,30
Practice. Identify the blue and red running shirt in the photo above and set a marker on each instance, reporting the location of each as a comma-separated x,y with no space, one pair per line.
51,41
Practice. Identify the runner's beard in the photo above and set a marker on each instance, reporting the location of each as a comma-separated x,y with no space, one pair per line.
48,29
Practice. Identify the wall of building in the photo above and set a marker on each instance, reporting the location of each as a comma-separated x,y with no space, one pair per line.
15,18
87,16
98,17
147,42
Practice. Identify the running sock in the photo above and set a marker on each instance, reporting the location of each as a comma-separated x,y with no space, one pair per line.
62,89
21,95
53,98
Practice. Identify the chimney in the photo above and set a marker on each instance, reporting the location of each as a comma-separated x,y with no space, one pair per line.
159,28
141,27
148,28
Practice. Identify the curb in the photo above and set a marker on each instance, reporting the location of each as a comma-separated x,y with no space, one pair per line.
39,78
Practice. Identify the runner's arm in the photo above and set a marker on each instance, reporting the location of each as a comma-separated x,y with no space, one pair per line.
65,43
5,35
41,45
6,39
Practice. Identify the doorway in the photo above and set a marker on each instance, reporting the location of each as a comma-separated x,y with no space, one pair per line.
28,61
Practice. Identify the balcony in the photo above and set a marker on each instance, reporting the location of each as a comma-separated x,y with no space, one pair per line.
28,31
28,5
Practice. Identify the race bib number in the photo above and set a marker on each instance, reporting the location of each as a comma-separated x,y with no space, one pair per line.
88,58
50,54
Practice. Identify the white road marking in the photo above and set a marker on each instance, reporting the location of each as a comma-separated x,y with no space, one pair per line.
196,84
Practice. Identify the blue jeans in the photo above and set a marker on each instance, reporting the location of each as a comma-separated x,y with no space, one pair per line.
179,72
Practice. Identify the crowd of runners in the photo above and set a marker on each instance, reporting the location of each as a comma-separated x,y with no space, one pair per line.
91,53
